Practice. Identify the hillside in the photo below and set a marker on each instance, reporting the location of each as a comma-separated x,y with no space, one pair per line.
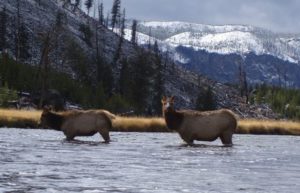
97,74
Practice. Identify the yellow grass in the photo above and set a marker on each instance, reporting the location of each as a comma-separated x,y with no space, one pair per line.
19,118
139,124
30,119
252,126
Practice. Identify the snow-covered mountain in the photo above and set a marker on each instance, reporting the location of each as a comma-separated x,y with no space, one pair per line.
225,39
189,43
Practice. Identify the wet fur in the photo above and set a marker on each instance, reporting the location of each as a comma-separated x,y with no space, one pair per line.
79,123
202,126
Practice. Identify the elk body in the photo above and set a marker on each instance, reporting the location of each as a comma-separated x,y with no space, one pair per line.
79,123
200,126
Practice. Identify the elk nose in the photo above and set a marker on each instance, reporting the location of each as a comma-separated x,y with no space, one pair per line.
167,109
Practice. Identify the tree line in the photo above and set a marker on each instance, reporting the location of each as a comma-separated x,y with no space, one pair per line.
284,101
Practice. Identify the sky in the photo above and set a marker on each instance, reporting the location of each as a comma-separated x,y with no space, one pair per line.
276,15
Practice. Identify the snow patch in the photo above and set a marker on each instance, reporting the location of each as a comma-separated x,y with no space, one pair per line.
179,58
177,25
222,43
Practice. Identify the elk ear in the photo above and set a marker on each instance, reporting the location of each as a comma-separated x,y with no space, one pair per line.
164,99
172,98
46,109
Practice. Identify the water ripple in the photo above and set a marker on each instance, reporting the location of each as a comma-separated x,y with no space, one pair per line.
43,161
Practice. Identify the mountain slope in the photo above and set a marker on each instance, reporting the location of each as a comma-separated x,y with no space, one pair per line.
265,56
237,38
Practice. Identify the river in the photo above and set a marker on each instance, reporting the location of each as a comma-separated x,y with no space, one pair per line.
42,161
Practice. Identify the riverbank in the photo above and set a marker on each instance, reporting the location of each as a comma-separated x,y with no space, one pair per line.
30,119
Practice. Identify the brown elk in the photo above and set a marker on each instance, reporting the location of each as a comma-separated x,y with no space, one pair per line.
200,126
79,123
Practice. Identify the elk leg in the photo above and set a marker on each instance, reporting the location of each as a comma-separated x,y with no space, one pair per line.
105,134
226,138
69,137
189,141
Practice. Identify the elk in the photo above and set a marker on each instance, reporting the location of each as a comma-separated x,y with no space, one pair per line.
200,126
79,123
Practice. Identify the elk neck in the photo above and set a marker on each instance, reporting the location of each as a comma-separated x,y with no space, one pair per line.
173,119
55,121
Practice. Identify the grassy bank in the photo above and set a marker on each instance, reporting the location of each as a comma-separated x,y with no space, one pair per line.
268,127
30,119
19,118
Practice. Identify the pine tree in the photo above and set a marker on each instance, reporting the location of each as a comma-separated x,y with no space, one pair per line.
121,39
141,72
88,4
17,32
115,12
206,100
149,39
243,85
106,24
107,79
66,2
87,33
100,13
3,28
59,19
21,37
76,4
166,59
158,79
23,43
125,79
49,43
133,32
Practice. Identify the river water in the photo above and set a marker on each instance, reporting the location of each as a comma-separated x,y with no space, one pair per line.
42,161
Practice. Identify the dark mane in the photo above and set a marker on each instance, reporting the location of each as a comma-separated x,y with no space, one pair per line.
174,119
54,120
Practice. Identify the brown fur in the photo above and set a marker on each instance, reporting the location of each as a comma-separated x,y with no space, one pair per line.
202,126
79,123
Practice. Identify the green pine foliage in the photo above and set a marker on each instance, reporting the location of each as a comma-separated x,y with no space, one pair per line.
87,33
22,78
115,13
76,4
23,43
282,100
141,81
3,28
206,100
7,95
118,103
158,83
88,4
